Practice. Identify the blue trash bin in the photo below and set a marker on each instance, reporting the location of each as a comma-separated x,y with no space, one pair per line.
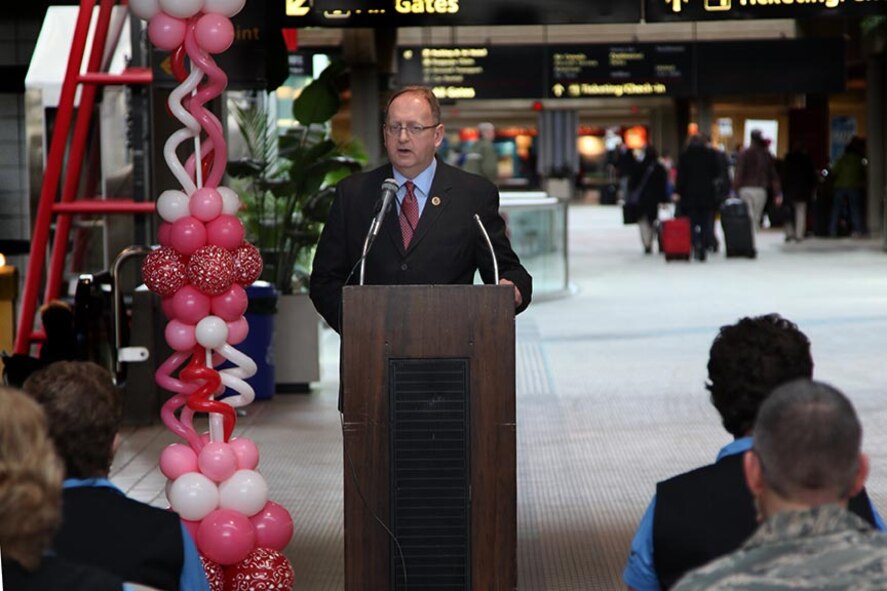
260,315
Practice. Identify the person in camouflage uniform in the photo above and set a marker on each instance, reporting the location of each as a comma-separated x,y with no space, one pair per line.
805,464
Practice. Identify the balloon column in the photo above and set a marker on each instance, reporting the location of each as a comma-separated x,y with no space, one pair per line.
200,271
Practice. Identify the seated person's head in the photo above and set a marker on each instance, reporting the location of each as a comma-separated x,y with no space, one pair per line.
748,360
57,318
807,446
30,480
84,410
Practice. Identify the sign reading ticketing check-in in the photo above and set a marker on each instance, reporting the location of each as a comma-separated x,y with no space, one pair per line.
699,10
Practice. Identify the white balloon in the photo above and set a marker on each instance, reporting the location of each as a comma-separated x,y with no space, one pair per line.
246,492
193,496
144,9
225,7
181,8
230,200
172,205
211,332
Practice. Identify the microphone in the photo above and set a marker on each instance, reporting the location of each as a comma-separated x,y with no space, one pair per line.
490,246
389,190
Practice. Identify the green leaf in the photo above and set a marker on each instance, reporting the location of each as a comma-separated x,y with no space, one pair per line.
317,103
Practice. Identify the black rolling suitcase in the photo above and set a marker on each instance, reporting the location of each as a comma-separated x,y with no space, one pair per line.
738,237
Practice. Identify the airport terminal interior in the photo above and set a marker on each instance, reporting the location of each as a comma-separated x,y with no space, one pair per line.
611,396
610,357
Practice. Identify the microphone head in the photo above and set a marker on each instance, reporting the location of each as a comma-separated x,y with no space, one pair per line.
390,185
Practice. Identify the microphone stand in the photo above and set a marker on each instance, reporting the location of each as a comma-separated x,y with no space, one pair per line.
367,242
490,246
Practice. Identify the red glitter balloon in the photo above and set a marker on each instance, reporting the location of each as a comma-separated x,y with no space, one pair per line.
215,574
211,269
165,271
247,264
263,570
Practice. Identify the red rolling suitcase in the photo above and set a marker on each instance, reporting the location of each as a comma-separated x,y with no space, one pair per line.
675,239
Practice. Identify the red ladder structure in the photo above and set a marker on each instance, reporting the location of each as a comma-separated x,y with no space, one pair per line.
63,205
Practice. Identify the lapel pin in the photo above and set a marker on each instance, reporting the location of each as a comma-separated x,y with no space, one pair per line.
435,201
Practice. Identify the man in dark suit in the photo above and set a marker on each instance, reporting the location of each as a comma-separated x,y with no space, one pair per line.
430,236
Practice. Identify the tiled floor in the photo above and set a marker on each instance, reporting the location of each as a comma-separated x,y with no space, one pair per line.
610,396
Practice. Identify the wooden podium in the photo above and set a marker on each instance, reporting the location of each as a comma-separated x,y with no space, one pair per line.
429,438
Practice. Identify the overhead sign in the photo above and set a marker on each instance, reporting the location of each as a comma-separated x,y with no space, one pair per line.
474,72
631,69
700,10
783,66
426,13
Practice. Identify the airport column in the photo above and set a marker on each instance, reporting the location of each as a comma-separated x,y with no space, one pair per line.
369,54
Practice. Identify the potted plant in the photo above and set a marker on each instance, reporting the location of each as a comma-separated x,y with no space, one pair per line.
286,184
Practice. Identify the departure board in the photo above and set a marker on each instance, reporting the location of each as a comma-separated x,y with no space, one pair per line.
700,10
627,69
474,72
630,69
427,13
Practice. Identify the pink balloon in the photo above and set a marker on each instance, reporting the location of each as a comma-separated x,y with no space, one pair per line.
274,526
225,231
164,234
177,459
166,32
247,452
214,33
237,331
180,336
188,234
205,204
217,461
166,306
230,305
190,305
226,536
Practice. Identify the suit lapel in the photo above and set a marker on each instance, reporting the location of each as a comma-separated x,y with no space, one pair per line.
438,200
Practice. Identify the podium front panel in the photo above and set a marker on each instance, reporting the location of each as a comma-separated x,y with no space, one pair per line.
466,335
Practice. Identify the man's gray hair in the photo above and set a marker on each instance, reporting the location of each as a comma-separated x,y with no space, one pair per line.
808,437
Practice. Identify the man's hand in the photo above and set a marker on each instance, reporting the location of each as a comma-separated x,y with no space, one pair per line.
675,197
517,296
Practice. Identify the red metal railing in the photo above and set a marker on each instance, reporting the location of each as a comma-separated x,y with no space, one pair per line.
67,206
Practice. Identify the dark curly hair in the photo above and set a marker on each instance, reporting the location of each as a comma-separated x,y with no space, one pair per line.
84,410
748,360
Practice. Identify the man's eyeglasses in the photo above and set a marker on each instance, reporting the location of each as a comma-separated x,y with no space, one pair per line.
413,130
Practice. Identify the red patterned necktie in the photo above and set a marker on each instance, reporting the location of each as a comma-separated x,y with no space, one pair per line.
409,215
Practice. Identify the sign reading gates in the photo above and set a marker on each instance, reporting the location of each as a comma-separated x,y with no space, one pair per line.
633,69
426,13
700,10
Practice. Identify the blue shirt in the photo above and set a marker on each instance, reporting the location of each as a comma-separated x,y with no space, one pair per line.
422,185
193,577
640,572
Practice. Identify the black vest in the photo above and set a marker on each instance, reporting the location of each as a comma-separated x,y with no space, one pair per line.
706,513
57,573
137,542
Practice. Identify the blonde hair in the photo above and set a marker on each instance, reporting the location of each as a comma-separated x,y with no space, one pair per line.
30,480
